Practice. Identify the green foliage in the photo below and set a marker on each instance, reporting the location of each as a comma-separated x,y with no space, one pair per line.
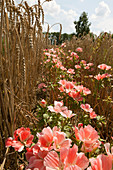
82,25
55,36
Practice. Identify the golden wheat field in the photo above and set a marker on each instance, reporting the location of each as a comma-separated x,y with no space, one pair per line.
24,66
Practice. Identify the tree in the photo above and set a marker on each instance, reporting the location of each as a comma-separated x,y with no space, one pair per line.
82,25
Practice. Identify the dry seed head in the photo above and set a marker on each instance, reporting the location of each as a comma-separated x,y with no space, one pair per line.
31,40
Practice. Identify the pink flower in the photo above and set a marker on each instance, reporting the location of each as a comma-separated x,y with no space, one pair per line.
69,86
104,67
89,137
90,64
62,68
73,54
75,95
45,139
63,45
80,125
66,113
41,85
83,62
87,67
71,71
107,148
47,54
85,90
77,66
43,101
61,88
79,49
52,161
102,162
69,160
24,136
36,158
73,158
98,77
101,77
93,115
59,108
15,144
62,82
86,107
8,142
60,141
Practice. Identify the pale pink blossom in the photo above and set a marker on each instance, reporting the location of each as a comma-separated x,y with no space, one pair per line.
57,107
62,82
86,91
61,88
66,113
22,137
73,54
104,67
69,160
102,162
74,158
45,139
77,66
89,137
62,68
41,85
52,161
17,145
90,64
93,115
43,103
79,49
69,86
86,107
60,141
107,148
101,77
87,67
36,159
71,71
82,89
75,95
63,45
83,62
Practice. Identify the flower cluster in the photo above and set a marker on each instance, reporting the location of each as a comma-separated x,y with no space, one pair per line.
74,91
87,108
22,137
54,151
59,108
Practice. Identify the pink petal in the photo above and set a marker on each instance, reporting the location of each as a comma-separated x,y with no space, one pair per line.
52,160
82,161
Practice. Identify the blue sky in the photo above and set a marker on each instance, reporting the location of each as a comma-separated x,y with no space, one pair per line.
100,14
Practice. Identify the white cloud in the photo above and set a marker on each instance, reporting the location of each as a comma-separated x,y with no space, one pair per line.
102,10
54,13
51,8
82,0
101,19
